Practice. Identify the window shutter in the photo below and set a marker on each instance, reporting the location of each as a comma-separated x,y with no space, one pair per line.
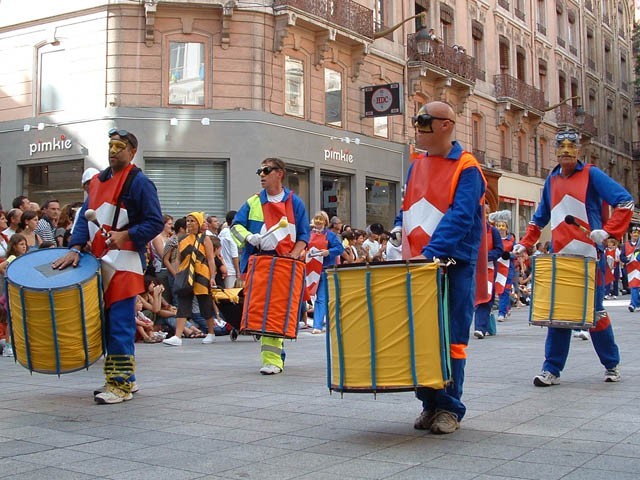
186,185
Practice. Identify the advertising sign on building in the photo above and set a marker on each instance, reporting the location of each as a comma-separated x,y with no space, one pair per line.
383,100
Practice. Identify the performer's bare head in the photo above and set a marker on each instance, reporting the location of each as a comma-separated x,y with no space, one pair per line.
434,126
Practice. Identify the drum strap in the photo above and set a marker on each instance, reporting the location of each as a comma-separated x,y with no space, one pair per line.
125,191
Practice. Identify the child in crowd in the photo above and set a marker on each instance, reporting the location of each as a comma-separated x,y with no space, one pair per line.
17,246
144,325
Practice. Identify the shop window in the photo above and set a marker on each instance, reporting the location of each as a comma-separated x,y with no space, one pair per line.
336,195
381,127
381,202
54,79
297,180
186,73
186,185
59,180
332,97
294,81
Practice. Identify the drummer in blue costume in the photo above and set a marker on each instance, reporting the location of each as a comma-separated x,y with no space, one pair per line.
128,217
442,217
579,189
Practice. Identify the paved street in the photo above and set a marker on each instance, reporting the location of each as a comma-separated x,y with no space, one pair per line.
204,412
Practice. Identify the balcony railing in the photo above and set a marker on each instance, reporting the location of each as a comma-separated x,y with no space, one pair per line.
523,168
544,172
612,140
345,13
480,156
609,76
573,50
591,64
635,150
560,41
519,14
605,19
504,4
505,163
624,86
541,29
442,56
626,147
588,5
481,74
508,87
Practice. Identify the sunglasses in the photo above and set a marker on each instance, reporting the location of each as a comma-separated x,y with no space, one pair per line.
266,170
569,135
424,120
129,137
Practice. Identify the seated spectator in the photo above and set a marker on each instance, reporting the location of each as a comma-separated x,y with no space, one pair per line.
144,325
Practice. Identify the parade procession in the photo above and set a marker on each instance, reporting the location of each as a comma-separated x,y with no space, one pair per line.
320,239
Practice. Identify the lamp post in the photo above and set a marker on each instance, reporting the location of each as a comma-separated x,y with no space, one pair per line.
579,112
387,31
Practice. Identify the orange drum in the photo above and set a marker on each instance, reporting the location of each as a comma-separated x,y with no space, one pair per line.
273,296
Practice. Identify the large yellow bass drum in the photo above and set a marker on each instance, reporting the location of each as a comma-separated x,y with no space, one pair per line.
55,316
387,330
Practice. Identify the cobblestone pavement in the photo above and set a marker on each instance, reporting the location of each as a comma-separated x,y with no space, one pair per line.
204,411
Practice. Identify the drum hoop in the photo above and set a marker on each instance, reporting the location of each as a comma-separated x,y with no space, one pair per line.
393,263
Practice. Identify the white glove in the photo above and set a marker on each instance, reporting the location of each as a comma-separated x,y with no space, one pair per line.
519,249
598,236
395,236
253,239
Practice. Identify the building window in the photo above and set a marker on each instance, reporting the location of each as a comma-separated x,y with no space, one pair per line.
446,24
294,93
477,35
336,195
381,202
562,86
187,185
504,55
560,27
60,180
379,14
542,77
520,64
381,127
573,37
332,97
542,17
476,134
186,73
54,80
544,153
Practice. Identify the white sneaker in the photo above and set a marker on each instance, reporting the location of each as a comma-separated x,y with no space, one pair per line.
501,318
173,341
583,334
612,375
545,379
112,394
135,388
478,334
270,370
210,338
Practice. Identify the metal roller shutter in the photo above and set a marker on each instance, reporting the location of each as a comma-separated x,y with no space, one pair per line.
189,185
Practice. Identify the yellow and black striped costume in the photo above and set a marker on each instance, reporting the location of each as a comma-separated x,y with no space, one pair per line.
202,275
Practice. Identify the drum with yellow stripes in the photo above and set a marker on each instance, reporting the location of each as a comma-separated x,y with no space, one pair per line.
387,328
55,316
563,291
273,296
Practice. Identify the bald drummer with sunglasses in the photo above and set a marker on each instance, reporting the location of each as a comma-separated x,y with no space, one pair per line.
442,217
580,190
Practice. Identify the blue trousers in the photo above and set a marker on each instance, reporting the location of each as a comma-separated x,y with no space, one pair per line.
556,349
462,288
320,305
635,297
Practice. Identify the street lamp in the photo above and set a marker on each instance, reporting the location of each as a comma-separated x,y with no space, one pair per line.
387,31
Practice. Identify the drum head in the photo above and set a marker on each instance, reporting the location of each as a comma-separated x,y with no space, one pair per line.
33,270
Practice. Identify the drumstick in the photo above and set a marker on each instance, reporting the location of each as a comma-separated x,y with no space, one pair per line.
92,217
571,220
281,224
